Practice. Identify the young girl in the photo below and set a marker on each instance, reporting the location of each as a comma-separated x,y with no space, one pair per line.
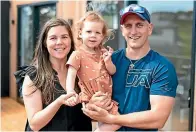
91,62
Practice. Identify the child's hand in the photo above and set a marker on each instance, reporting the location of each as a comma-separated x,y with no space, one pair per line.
73,100
107,54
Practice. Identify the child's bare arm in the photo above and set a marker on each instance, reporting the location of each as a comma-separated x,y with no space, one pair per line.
70,84
111,68
70,81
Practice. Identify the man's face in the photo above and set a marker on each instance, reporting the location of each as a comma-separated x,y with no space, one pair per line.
136,31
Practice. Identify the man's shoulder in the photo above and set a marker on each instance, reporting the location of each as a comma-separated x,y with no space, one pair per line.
118,55
160,58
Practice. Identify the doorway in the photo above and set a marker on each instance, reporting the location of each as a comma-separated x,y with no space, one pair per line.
31,19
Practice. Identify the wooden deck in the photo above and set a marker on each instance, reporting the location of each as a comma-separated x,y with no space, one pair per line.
13,116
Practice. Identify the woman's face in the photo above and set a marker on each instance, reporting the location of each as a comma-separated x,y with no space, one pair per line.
58,42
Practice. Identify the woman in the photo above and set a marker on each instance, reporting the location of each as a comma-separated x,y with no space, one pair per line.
44,83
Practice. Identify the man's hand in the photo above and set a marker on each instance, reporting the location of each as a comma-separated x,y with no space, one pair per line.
97,113
102,100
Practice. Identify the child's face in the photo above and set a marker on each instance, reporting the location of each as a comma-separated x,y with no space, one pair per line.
92,34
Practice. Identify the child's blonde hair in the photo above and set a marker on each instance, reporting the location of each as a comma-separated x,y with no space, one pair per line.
93,16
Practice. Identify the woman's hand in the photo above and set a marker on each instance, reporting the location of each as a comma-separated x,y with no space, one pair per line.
73,100
102,100
64,98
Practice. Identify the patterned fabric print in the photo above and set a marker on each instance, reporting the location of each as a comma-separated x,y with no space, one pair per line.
93,75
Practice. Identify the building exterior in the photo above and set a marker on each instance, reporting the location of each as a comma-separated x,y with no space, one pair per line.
174,36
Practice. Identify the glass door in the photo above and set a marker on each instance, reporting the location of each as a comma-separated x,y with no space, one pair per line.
30,20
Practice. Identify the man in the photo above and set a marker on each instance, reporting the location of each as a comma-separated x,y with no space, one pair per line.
145,82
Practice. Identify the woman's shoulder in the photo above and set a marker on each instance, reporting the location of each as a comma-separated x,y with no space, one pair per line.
28,87
25,70
26,73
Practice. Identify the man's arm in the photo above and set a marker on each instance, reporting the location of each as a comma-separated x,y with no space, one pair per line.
161,107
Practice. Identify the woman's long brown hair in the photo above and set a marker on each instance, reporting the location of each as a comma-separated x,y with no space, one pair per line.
45,77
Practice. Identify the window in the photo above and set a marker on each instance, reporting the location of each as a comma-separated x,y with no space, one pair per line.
30,20
108,10
172,38
26,39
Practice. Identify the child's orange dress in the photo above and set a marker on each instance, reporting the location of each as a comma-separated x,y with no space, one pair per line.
93,75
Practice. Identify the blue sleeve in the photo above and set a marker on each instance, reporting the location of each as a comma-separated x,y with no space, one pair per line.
164,81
